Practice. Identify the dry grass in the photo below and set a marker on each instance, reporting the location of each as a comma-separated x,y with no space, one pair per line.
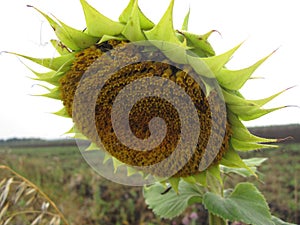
22,202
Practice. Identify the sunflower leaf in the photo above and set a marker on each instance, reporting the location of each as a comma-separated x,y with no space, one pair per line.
171,204
278,221
244,202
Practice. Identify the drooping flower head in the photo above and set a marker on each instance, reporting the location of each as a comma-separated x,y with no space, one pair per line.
153,98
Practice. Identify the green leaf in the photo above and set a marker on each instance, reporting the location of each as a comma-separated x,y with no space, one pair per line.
245,204
252,163
278,221
145,23
256,161
171,204
235,79
98,24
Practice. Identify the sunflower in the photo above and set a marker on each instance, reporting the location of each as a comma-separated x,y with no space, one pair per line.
180,103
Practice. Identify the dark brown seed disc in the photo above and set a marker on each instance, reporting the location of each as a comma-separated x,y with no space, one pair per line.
144,110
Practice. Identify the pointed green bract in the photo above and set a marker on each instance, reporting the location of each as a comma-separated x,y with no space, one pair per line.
199,44
164,30
60,47
251,112
185,24
262,102
79,38
174,181
64,113
108,37
232,159
235,79
70,37
61,63
98,24
132,30
51,77
216,63
53,93
248,146
144,22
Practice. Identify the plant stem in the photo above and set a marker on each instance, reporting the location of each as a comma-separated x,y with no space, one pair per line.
215,185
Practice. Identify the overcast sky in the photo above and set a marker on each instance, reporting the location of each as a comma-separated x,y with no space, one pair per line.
265,25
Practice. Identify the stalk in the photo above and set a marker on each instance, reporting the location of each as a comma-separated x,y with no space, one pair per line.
216,186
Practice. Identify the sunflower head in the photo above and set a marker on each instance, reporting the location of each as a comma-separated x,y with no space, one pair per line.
152,98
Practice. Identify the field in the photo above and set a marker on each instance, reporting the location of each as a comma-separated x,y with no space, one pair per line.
86,198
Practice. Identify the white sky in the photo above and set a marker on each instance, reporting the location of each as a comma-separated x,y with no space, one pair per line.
265,25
